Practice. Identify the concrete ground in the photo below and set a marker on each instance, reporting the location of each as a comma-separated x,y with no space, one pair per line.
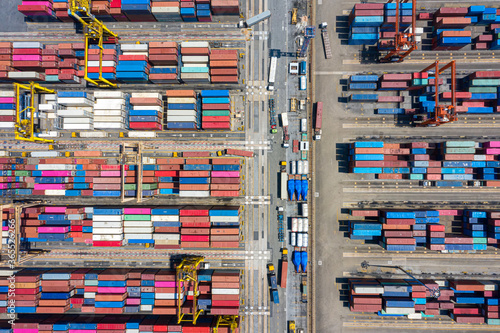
10,18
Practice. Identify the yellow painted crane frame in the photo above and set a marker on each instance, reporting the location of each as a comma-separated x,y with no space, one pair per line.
187,271
228,321
94,30
24,127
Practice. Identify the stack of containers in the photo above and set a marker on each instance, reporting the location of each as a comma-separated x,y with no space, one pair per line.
436,237
138,226
224,66
363,82
109,64
5,60
90,290
198,237
146,103
468,297
115,11
107,227
163,57
195,61
51,62
56,224
75,108
448,24
475,226
364,295
493,227
225,7
203,12
225,186
138,10
166,11
364,231
194,179
166,228
181,110
149,180
110,110
225,293
224,232
101,10
364,23
218,102
38,10
27,58
111,291
457,171
61,10
68,65
187,11
165,288
399,241
7,214
133,63
7,109
56,292
168,173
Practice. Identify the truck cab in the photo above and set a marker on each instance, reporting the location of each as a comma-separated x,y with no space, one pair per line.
291,326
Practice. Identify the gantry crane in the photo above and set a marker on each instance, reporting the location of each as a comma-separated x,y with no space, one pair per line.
26,109
187,271
95,32
435,292
226,321
442,113
404,42
131,154
309,33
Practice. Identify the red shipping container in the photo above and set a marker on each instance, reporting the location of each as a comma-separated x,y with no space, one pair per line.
373,213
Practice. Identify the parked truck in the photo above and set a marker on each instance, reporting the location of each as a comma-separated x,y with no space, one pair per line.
274,284
255,19
284,267
326,40
318,120
284,124
304,289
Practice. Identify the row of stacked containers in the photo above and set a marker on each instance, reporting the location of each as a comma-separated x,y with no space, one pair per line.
164,227
122,291
89,174
449,163
117,110
133,10
465,301
476,93
452,28
155,62
439,230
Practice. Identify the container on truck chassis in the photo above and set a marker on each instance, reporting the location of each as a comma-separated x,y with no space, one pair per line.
284,124
318,120
255,19
237,152
326,40
274,284
304,289
283,185
284,267
272,73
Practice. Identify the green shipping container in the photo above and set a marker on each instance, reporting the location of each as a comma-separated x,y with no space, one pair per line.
420,82
138,217
216,113
456,144
480,240
481,90
460,150
22,173
416,176
485,82
130,187
194,69
149,186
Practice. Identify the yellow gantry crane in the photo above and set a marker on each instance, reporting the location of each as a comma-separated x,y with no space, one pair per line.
95,31
226,321
25,114
187,271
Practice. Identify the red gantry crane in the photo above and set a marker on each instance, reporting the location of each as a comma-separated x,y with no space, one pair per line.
442,113
404,42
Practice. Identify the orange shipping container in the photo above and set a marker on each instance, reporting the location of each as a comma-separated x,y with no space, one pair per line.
223,56
224,231
195,244
225,187
224,79
192,187
223,63
195,51
180,93
169,161
170,51
390,176
368,150
162,44
197,161
195,231
146,101
224,71
194,173
224,238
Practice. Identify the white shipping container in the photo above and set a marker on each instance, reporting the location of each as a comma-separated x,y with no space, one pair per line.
49,134
26,75
107,237
300,167
165,218
46,107
166,236
108,94
191,113
191,59
136,230
109,119
306,167
114,113
191,119
146,308
196,64
197,194
306,225
368,289
163,10
305,210
85,127
96,224
78,108
147,95
4,153
182,100
148,160
107,63
27,45
301,225
78,121
145,107
401,311
93,134
299,240
167,295
225,291
107,231
108,125
415,315
44,154
138,224
166,241
305,240
55,192
58,167
89,295
139,53
139,134
74,113
7,93
107,218
75,101
224,218
294,168
195,44
295,224
195,76
7,124
109,106
134,47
